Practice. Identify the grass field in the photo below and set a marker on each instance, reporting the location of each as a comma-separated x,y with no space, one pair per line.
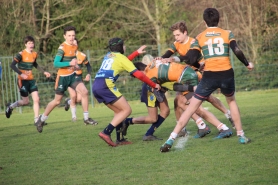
71,153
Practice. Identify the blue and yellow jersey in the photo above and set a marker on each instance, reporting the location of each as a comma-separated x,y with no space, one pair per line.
113,64
67,52
214,43
25,61
81,59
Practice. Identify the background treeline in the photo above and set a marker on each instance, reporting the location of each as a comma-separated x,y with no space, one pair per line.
254,23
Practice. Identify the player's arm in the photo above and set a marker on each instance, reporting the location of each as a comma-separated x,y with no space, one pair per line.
36,65
89,68
167,54
13,66
137,52
183,87
191,58
58,60
141,76
239,54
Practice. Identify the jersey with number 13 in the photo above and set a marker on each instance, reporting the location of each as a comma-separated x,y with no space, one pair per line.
214,43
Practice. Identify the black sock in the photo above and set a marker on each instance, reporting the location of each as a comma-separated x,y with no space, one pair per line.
109,129
155,125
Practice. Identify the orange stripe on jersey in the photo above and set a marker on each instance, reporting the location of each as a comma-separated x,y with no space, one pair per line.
175,71
25,62
182,48
68,55
214,44
57,81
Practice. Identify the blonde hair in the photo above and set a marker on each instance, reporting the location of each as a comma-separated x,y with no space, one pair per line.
147,59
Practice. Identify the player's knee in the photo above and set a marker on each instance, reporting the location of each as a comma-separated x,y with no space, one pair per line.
165,113
36,100
128,111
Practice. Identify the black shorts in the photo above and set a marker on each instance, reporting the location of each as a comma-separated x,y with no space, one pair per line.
211,81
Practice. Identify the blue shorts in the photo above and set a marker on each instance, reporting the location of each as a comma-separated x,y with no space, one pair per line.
211,81
148,97
105,91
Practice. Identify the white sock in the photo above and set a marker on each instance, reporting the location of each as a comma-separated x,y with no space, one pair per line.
73,112
36,119
222,127
200,123
69,101
240,133
43,117
173,136
86,115
14,105
228,114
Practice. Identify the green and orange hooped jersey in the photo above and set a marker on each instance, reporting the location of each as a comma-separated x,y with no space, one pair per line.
165,72
214,43
25,61
181,48
67,52
81,59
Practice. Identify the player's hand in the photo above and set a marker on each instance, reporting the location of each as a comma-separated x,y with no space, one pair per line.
73,62
157,87
167,60
141,49
158,58
250,66
47,74
202,66
87,78
24,76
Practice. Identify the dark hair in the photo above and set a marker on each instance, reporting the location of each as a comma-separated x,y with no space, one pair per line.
116,44
28,39
69,28
211,17
180,25
140,66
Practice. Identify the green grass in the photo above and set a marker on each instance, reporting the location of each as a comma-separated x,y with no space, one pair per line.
71,153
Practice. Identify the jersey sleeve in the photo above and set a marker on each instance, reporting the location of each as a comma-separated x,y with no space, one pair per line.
127,65
172,48
18,57
231,36
195,44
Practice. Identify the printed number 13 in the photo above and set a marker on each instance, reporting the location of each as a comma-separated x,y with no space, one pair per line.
219,49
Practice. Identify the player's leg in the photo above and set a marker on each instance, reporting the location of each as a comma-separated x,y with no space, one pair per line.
36,105
164,113
182,122
224,131
228,89
121,110
180,104
72,103
220,106
237,120
61,86
80,88
24,92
